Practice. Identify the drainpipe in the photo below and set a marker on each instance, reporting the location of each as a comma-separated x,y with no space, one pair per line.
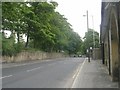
118,14
109,53
102,53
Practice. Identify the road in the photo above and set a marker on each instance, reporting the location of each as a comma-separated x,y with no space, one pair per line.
46,74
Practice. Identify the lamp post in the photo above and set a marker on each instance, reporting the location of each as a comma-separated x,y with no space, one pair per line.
87,20
88,50
88,54
94,53
93,32
91,52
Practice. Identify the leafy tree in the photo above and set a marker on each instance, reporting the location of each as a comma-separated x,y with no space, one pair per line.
74,43
12,18
0,43
45,28
88,40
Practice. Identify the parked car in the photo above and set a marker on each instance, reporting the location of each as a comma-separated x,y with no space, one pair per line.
79,55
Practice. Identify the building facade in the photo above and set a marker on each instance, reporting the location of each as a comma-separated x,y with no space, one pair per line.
110,38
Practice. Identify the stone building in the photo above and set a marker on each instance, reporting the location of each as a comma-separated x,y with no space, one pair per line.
110,38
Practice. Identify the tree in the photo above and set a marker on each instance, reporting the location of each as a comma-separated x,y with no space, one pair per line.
88,40
45,28
12,18
41,28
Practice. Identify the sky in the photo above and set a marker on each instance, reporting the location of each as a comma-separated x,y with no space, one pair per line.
74,11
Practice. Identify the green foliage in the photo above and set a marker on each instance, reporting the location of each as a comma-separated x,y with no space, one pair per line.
45,28
0,43
9,47
89,41
18,47
74,43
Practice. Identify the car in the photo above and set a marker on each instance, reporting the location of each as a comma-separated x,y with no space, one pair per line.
79,55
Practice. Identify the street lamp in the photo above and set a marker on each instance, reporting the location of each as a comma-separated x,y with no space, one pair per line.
90,48
90,52
88,27
94,53
87,20
93,32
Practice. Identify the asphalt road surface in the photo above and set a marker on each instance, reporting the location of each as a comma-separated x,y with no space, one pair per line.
59,73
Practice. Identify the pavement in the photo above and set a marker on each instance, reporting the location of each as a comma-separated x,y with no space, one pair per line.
68,73
94,75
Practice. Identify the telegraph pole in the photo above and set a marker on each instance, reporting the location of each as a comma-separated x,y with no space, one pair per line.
87,21
94,55
93,33
88,50
88,30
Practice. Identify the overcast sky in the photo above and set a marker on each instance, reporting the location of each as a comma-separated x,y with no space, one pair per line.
74,11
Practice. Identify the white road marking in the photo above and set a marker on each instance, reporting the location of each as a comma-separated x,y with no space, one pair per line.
74,76
77,73
64,63
21,65
25,64
28,63
6,76
51,64
34,69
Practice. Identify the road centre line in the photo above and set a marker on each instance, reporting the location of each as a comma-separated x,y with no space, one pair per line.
34,69
51,64
21,65
6,76
79,67
18,65
77,73
27,63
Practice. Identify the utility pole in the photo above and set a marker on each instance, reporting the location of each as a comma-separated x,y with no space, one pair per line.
93,32
88,30
87,21
88,50
94,55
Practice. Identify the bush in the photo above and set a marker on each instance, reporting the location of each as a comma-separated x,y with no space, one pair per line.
9,47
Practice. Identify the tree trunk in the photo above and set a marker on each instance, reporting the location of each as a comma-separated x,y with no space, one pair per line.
18,37
26,45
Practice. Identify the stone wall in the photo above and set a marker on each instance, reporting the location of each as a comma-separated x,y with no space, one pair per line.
96,54
27,56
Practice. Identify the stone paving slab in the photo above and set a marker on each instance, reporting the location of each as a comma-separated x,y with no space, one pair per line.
94,75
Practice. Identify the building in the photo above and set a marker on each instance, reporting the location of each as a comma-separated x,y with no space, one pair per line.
110,38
